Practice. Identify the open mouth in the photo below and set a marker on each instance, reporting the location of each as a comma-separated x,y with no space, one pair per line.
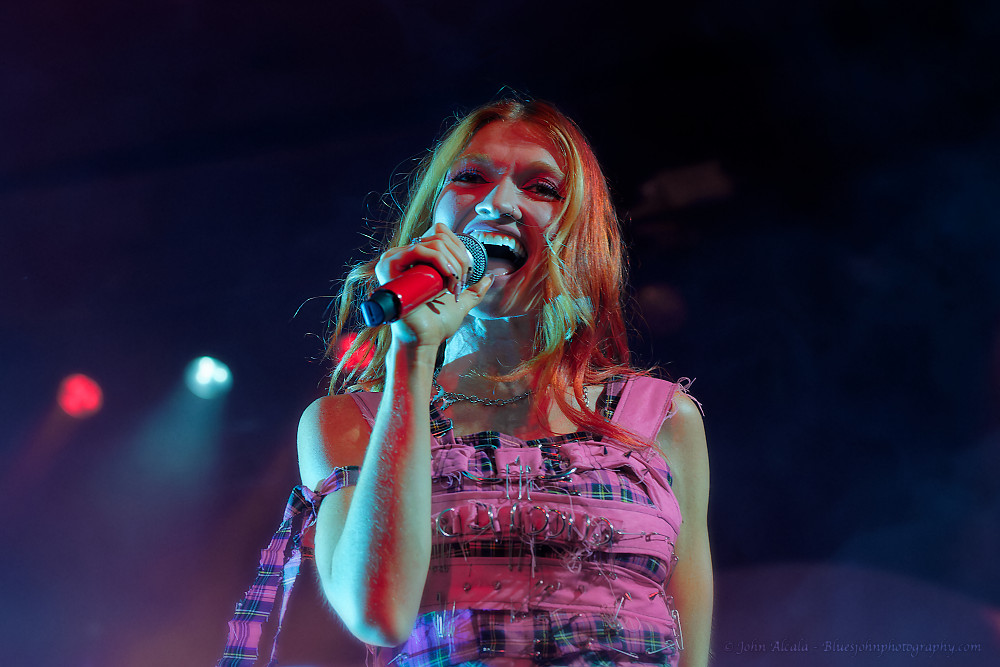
503,252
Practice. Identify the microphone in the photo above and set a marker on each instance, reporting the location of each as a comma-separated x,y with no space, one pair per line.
416,286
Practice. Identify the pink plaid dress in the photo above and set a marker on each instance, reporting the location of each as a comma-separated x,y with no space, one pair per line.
556,550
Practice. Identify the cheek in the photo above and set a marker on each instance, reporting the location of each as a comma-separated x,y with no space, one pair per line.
540,230
452,208
546,221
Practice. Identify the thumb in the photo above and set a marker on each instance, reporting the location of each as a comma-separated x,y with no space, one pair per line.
479,290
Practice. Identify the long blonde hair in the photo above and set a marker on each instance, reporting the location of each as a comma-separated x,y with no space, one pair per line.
581,336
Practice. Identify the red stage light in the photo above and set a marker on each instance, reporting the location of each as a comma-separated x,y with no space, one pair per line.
79,396
361,356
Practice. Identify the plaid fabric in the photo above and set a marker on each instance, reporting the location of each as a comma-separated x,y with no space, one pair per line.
608,405
647,566
600,484
279,565
472,637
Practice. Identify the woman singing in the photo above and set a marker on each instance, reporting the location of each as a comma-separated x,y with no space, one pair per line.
499,486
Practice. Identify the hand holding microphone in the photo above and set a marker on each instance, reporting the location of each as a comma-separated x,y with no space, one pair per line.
424,280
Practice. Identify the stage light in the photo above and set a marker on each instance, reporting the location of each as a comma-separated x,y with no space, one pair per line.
79,396
361,357
208,378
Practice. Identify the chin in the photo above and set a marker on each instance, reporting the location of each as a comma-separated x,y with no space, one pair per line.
494,311
513,294
503,307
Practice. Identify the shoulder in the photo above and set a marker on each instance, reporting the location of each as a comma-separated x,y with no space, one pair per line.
682,441
683,422
332,433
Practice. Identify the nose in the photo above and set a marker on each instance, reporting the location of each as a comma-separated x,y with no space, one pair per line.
500,201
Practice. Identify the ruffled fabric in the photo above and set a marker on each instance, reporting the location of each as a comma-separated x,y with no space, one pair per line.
279,567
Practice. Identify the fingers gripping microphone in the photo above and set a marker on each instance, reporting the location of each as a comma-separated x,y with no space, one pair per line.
416,286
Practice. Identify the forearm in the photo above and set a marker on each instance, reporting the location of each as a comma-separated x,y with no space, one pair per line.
380,563
696,620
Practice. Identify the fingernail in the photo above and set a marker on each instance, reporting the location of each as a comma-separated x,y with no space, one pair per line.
451,270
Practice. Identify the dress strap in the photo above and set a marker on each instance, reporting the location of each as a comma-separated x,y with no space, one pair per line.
279,566
643,403
367,403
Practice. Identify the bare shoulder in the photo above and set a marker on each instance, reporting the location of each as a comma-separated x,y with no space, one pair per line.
332,433
683,432
682,441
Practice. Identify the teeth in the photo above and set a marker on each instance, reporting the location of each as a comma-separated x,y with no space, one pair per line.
500,240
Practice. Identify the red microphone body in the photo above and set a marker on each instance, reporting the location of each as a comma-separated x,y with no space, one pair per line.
416,286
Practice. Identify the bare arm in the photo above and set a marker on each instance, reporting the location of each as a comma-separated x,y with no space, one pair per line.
682,439
373,542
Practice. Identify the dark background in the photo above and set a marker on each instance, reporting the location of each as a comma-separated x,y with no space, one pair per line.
810,193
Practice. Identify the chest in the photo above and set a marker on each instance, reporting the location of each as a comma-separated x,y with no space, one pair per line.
530,419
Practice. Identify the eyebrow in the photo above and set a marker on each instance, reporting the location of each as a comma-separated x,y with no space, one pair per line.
535,165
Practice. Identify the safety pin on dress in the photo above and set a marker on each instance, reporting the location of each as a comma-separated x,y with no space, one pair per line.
676,615
592,645
506,478
621,601
631,655
662,648
542,478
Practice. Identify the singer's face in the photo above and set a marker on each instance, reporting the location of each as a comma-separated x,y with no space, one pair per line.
506,189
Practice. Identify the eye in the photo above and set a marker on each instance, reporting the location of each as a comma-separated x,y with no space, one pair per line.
544,189
468,175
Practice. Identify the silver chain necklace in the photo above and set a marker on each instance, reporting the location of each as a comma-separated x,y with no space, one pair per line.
446,399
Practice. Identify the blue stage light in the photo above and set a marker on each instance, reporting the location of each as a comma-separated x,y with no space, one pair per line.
208,378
